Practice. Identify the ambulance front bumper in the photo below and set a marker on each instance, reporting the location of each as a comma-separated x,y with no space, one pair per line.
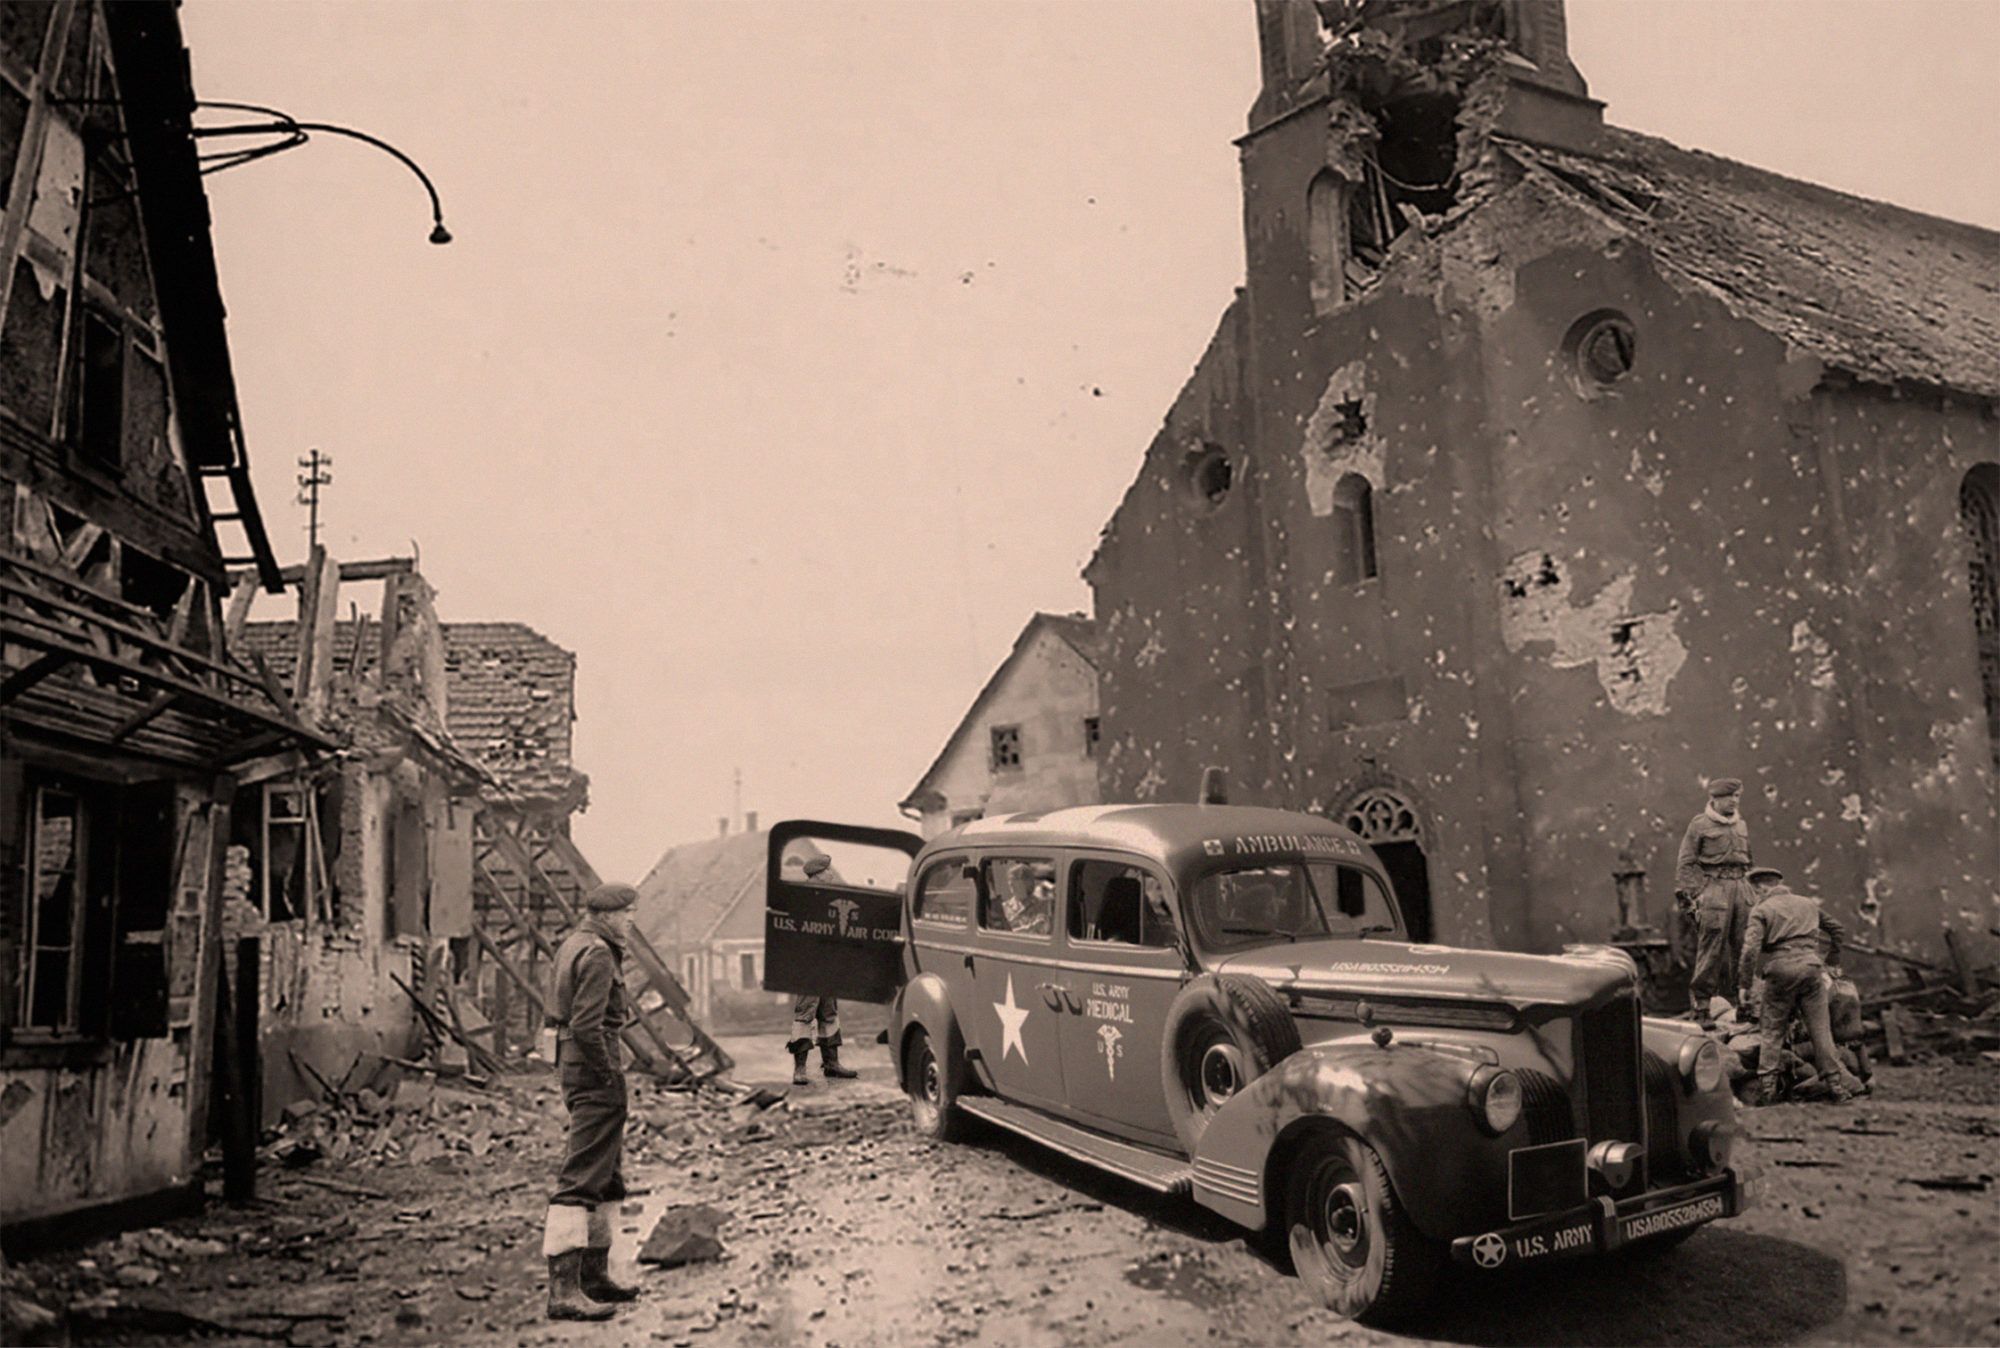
1604,1224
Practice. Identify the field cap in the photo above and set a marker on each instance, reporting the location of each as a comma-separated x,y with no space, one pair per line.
610,898
1766,873
1726,786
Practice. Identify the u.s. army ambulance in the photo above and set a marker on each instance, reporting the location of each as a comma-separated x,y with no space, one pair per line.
1222,1001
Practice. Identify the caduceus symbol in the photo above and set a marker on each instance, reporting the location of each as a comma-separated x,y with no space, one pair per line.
1113,1050
843,913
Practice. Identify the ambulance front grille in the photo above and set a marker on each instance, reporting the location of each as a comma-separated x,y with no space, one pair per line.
1608,1055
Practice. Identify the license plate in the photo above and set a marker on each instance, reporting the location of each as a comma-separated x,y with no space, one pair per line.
1661,1220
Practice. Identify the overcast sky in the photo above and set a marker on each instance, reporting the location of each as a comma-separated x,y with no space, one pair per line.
790,355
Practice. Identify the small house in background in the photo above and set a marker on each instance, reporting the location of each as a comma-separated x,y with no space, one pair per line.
1029,741
702,906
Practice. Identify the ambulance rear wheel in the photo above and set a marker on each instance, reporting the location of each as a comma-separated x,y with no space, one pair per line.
1351,1242
933,1103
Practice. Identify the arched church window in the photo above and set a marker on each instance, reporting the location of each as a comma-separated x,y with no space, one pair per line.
1381,815
1354,528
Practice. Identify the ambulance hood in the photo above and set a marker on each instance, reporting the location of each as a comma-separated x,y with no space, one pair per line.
1435,972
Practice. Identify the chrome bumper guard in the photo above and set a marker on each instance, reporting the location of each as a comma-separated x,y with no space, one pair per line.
1603,1224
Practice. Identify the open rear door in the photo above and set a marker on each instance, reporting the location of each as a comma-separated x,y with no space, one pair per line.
833,909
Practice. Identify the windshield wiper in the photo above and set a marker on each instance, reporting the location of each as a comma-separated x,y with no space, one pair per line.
1364,933
1259,931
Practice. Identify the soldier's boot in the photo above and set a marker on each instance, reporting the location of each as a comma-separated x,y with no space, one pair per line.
567,1300
801,1051
564,1239
1765,1092
1844,1086
829,1061
596,1281
596,1267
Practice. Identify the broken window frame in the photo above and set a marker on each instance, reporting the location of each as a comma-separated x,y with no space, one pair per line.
97,410
309,902
68,1022
1093,735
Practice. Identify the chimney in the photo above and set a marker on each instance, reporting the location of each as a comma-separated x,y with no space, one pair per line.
722,826
750,821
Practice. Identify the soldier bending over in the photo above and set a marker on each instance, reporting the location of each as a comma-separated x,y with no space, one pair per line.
1783,936
820,1014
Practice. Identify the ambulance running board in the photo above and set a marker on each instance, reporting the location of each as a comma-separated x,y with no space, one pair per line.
1151,1169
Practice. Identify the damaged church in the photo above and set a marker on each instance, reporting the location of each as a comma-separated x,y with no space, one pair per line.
1541,470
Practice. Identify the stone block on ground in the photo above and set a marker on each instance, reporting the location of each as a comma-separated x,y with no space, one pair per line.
686,1233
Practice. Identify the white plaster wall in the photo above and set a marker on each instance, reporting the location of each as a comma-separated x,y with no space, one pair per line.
1048,693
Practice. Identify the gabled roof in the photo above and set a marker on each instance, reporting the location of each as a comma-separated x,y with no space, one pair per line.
1884,293
1083,637
509,695
692,888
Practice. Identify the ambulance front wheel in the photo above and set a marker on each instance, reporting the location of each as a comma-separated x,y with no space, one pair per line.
1351,1242
933,1102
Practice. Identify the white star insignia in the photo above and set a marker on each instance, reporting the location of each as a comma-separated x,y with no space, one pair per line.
1012,1018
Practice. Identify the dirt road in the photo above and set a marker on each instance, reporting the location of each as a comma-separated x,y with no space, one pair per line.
849,1230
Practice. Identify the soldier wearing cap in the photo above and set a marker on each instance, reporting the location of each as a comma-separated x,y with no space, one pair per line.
587,1006
1781,941
1710,879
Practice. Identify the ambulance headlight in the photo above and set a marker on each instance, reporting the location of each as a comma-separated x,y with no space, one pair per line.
1495,1097
1701,1064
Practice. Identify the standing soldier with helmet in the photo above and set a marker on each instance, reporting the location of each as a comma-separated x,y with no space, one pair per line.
587,1007
1711,881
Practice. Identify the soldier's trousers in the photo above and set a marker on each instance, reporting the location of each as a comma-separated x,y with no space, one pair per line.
593,1170
1792,987
814,1018
1721,914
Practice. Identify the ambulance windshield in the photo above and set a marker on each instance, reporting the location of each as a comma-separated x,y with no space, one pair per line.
1289,901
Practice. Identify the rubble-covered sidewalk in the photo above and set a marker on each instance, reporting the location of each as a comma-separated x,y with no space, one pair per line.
824,1219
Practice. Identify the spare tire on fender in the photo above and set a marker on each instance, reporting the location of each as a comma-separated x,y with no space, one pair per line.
1223,1032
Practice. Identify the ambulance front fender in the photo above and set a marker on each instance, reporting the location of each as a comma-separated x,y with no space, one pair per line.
1407,1102
924,1003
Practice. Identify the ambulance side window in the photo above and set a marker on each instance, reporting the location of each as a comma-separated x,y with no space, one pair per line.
1017,895
944,894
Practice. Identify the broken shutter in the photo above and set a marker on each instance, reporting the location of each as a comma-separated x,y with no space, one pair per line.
451,869
410,868
150,838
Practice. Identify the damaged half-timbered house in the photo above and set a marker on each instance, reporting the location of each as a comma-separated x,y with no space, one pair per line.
348,878
433,859
1541,470
124,717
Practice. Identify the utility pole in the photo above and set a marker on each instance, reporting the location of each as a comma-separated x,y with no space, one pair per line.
318,473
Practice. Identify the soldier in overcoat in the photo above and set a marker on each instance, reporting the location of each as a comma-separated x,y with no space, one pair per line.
589,1010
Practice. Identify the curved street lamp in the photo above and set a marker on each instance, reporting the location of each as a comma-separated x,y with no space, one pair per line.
291,133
